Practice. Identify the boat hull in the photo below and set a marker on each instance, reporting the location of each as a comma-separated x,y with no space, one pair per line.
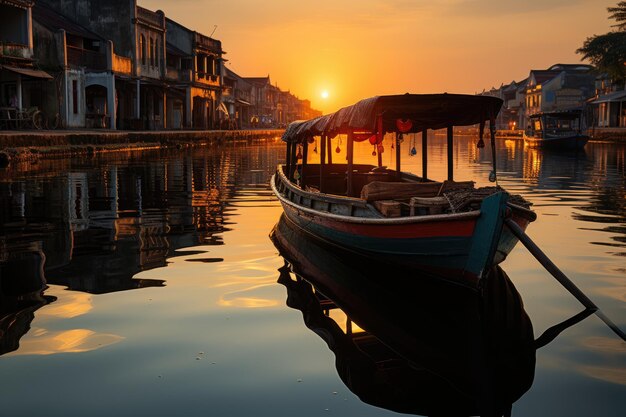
571,143
457,247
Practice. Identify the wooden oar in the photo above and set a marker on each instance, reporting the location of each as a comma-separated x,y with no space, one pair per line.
560,276
550,334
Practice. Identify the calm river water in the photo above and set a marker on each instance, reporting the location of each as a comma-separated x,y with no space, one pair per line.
145,284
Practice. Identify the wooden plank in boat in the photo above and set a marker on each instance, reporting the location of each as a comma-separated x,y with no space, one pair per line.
428,205
379,190
389,208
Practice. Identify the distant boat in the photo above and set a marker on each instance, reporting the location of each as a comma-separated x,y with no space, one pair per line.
446,227
555,130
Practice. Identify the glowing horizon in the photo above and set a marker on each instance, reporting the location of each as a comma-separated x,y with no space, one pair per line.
356,49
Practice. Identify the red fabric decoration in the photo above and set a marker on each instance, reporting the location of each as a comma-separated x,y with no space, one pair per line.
380,133
361,136
404,125
373,139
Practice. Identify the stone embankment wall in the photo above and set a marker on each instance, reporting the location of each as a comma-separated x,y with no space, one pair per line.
16,145
608,134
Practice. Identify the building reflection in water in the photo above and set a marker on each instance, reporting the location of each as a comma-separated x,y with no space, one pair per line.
411,344
594,180
92,225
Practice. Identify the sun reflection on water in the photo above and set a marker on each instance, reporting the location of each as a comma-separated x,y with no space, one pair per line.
43,342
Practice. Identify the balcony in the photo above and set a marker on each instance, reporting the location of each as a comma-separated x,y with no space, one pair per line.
150,18
122,65
15,50
77,57
208,79
174,74
208,44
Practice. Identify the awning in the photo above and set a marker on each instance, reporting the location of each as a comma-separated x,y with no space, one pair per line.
606,98
244,102
21,4
28,72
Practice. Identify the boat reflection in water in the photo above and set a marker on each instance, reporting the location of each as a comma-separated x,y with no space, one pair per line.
22,284
426,346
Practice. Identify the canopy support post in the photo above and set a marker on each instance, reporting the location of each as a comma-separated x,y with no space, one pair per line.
305,153
492,130
350,155
398,165
322,162
288,160
450,154
330,151
294,161
424,154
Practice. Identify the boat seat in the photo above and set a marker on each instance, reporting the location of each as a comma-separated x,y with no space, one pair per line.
389,208
383,190
428,205
393,190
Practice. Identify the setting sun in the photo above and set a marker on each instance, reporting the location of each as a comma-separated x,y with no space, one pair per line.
324,94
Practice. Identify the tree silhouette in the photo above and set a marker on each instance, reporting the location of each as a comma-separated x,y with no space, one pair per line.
608,52
618,13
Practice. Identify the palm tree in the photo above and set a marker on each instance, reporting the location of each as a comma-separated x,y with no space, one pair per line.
608,52
618,13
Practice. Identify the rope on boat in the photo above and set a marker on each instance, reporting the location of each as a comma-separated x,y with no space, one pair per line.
560,276
468,199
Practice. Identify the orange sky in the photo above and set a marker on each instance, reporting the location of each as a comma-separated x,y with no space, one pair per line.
360,48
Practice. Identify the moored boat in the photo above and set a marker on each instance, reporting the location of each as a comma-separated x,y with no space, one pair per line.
447,227
555,130
417,346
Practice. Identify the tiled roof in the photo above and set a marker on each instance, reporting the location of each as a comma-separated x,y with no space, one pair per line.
541,76
171,49
258,80
55,22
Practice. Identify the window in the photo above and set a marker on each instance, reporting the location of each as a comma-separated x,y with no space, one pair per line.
158,54
75,96
201,61
210,65
152,51
142,49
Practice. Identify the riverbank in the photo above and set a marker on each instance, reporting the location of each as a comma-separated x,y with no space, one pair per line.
597,134
27,145
608,134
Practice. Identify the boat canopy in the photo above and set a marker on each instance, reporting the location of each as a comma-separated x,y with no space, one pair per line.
406,113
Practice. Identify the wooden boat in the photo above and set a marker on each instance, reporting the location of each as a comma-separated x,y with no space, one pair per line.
555,130
448,227
398,346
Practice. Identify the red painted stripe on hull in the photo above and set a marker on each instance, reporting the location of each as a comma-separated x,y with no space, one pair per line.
458,228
